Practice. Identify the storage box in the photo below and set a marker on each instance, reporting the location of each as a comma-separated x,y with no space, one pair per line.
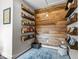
36,45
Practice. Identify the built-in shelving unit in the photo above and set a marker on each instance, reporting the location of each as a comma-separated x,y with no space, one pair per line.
72,19
75,11
74,36
72,25
28,24
27,10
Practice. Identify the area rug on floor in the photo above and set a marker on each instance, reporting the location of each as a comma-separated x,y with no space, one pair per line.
42,53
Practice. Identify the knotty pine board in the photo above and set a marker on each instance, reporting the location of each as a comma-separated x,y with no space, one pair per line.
51,26
52,29
50,8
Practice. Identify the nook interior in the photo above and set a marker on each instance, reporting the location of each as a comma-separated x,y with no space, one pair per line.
40,29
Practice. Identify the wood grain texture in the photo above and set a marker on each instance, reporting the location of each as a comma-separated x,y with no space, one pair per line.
51,8
54,25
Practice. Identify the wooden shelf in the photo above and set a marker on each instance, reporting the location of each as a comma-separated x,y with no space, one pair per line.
74,47
27,39
73,34
73,19
75,37
72,13
32,16
27,23
28,33
71,23
75,24
72,29
27,17
26,9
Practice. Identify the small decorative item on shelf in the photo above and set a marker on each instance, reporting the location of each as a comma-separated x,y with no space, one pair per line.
24,22
31,29
71,4
69,12
75,31
27,29
72,42
27,22
26,16
75,46
72,31
68,29
73,18
31,36
24,30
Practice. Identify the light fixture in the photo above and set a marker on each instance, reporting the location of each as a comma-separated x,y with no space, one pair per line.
47,14
46,8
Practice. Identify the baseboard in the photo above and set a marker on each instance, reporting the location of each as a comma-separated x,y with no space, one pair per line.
6,55
21,53
53,47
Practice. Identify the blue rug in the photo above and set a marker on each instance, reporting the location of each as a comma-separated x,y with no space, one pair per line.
42,53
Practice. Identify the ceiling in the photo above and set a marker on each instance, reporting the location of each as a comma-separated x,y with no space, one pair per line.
37,4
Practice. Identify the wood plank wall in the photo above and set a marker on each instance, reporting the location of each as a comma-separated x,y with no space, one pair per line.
51,29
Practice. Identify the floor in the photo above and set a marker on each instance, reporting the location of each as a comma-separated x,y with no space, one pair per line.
73,54
42,53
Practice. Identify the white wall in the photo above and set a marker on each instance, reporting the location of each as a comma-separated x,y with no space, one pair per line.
10,41
6,30
18,46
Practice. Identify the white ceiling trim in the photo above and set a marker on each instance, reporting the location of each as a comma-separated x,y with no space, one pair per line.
57,3
37,4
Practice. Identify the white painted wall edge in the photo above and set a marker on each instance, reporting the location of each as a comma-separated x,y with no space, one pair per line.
56,3
6,55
